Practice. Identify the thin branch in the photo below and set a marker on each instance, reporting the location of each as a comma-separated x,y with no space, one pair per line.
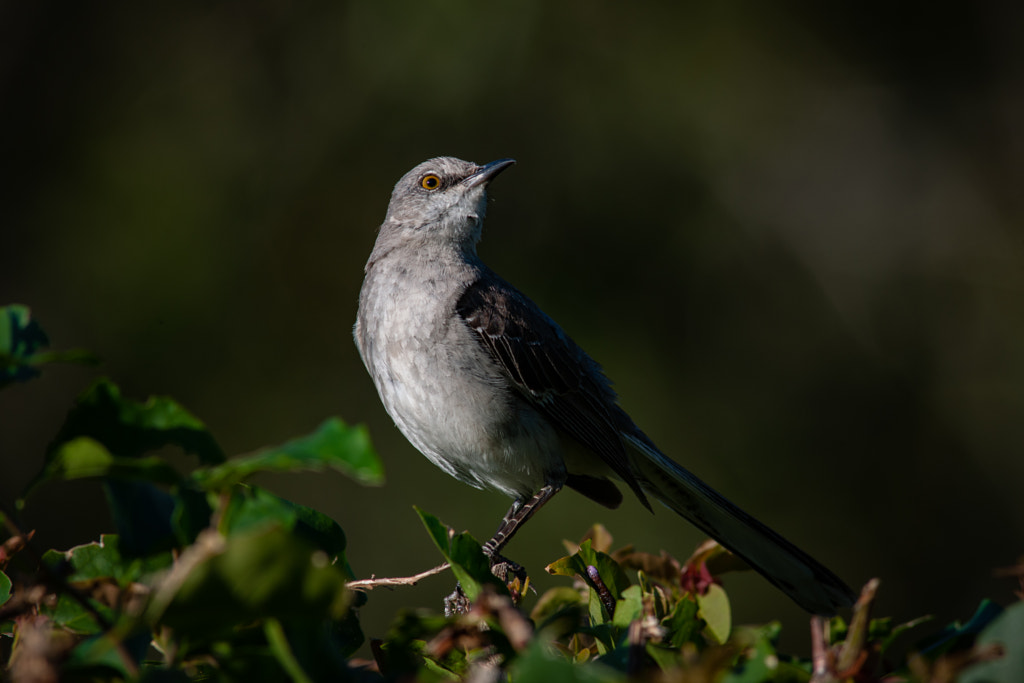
857,633
371,583
208,544
821,659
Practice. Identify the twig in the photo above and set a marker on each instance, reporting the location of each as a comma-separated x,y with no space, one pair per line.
857,634
828,665
209,543
371,583
637,643
821,660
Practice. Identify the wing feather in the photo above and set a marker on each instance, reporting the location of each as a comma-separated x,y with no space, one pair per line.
549,369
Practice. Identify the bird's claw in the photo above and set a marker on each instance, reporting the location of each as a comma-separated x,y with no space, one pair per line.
510,573
506,570
457,603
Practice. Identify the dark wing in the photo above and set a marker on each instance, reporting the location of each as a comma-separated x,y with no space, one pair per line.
549,369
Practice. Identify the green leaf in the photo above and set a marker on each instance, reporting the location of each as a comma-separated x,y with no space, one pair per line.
682,624
894,632
98,654
5,588
85,457
20,338
629,607
557,611
609,571
837,629
667,659
464,554
561,624
129,428
565,566
90,563
283,651
102,560
142,512
715,611
400,655
322,647
606,636
438,531
320,530
759,660
265,573
191,514
334,445
437,671
337,639
468,559
251,507
70,614
537,666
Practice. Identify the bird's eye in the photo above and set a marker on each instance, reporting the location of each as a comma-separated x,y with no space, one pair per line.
430,182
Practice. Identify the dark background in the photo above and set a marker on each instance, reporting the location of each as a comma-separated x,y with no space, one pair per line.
791,234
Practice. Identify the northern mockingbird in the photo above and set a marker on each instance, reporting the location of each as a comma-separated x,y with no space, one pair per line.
494,393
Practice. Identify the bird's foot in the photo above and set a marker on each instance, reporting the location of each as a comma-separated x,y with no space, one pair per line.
457,603
512,574
505,569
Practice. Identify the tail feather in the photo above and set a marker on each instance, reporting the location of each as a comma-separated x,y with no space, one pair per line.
793,571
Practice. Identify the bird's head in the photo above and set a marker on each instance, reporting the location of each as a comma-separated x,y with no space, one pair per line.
443,197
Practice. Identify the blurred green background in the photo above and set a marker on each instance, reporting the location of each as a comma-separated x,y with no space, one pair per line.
791,233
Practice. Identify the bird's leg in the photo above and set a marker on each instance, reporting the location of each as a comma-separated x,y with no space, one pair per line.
517,516
502,567
490,547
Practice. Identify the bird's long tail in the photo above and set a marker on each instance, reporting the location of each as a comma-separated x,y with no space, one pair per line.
793,571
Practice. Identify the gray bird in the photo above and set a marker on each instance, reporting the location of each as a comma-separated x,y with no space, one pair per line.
494,393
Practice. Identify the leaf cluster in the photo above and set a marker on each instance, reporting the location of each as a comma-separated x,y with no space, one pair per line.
210,578
207,577
631,615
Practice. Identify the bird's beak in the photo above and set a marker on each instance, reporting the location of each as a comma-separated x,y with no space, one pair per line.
485,173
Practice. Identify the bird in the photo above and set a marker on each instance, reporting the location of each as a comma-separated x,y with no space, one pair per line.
491,389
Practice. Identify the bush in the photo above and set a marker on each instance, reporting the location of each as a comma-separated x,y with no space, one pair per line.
211,578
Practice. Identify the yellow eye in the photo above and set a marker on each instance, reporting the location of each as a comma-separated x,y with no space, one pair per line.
430,182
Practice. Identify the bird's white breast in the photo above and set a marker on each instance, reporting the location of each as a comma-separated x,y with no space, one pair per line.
440,386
